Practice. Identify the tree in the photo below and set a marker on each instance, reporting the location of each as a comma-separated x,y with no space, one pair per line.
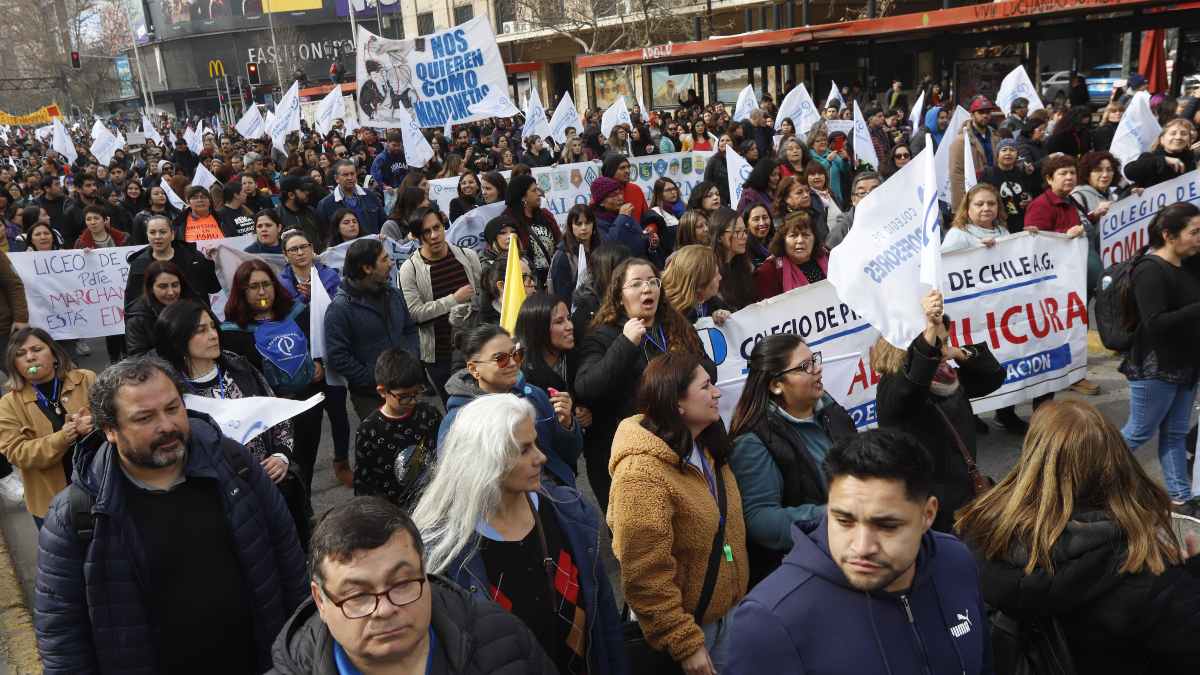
599,26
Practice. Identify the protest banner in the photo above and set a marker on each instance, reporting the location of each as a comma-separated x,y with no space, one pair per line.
1123,228
467,230
1017,85
798,106
42,115
243,419
76,293
1038,335
438,76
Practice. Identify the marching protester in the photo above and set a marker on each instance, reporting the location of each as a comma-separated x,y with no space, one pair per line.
798,258
692,285
536,227
42,416
1077,542
565,267
1172,155
367,208
267,229
158,471
496,529
164,285
1015,182
198,270
545,331
676,516
368,568
869,587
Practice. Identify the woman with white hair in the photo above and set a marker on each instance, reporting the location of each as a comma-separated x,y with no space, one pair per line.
491,525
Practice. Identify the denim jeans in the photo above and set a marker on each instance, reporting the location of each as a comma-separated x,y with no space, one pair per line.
1165,408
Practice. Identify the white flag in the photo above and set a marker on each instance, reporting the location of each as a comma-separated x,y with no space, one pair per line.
915,115
417,151
252,124
287,117
1017,85
203,177
1137,130
565,116
98,129
931,226
864,149
467,230
171,196
149,131
535,118
746,103
969,177
195,141
43,133
616,114
941,160
243,419
319,302
62,143
739,171
104,145
799,107
331,107
171,137
877,267
495,104
581,277
835,95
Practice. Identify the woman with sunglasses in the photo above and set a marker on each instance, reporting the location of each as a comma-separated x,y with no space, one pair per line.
494,367
489,522
900,156
783,426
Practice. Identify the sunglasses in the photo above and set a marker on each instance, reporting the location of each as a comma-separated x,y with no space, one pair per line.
504,359
901,155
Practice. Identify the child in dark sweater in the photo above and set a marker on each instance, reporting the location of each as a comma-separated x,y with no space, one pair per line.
396,445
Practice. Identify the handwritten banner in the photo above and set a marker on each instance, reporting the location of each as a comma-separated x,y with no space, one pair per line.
76,293
1123,229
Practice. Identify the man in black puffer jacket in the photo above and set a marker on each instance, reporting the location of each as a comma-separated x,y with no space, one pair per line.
374,609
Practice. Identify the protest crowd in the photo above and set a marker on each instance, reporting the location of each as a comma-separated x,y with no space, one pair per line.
526,396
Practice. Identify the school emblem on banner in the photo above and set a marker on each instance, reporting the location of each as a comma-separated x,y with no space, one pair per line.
645,170
559,178
576,177
544,182
699,163
660,167
590,175
686,165
674,170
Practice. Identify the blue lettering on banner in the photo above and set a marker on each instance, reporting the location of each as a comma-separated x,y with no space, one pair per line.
449,83
864,415
1032,365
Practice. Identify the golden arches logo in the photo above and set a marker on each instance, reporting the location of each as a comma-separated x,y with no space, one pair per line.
216,68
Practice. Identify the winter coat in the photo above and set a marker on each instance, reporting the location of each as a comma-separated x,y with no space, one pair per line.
328,276
86,240
778,469
474,638
424,308
807,618
580,525
904,402
199,272
620,228
1151,168
30,443
360,326
139,326
768,278
840,228
90,611
368,208
717,171
564,273
137,230
561,446
389,170
13,305
307,221
1050,213
1114,622
663,519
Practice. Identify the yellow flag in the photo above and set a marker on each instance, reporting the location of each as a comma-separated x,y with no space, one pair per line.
514,287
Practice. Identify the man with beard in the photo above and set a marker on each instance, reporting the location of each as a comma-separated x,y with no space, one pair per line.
296,211
868,588
172,551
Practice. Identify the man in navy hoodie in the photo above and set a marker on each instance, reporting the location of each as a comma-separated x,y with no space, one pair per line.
868,588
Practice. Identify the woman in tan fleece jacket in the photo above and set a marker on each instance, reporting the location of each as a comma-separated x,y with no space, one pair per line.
664,514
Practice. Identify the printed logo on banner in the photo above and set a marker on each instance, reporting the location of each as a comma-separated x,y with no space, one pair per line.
589,175
674,170
576,177
544,182
714,343
645,171
686,165
660,167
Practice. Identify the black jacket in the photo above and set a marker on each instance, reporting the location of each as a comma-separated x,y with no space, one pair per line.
139,326
1151,168
1114,623
199,272
905,403
137,230
1168,307
473,637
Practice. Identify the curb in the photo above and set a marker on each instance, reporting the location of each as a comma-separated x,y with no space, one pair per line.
16,623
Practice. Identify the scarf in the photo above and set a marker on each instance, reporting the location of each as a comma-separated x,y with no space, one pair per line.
676,208
792,277
945,381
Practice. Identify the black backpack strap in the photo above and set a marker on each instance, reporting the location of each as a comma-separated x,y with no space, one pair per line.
82,519
714,557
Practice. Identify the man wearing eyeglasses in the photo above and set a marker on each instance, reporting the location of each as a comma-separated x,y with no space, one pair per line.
864,184
375,610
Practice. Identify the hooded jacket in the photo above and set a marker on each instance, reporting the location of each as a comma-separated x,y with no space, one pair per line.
663,519
562,446
1114,623
580,525
91,615
473,638
807,618
360,325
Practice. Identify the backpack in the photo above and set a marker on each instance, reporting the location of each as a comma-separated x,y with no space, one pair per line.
286,363
1115,290
1033,646
83,520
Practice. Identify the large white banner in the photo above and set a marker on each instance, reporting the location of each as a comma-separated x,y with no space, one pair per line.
1023,298
1123,228
75,293
438,76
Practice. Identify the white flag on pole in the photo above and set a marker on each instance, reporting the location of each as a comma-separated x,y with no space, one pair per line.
864,148
195,141
204,178
746,103
44,133
941,160
467,230
62,143
331,107
1137,130
98,129
565,116
252,124
969,176
104,146
931,226
319,302
495,104
171,196
417,151
915,115
616,114
835,95
535,118
799,107
149,131
287,117
1017,85
739,171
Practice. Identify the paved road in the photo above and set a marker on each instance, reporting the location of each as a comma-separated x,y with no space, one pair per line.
998,452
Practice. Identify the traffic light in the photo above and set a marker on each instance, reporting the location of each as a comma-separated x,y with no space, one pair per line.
252,73
75,61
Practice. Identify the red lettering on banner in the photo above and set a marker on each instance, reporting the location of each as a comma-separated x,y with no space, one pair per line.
1009,336
864,377
1076,309
1004,330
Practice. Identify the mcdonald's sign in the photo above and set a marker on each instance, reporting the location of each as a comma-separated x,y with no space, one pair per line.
216,68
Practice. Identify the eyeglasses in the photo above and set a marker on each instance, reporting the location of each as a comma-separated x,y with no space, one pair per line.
503,359
298,248
260,286
901,155
740,234
808,366
638,284
409,398
364,604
